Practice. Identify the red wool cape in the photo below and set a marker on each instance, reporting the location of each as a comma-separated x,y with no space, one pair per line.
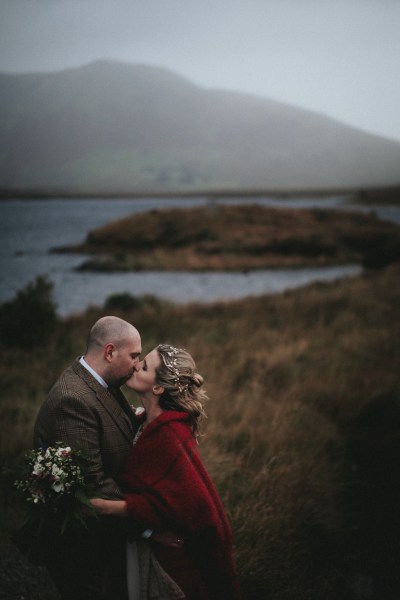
167,488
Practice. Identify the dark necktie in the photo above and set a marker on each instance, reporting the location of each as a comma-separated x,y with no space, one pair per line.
120,398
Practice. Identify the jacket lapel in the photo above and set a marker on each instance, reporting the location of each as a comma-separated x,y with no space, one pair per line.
109,402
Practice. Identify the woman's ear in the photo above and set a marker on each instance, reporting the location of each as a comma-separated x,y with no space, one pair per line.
158,390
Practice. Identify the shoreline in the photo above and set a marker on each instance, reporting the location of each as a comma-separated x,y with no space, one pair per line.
389,194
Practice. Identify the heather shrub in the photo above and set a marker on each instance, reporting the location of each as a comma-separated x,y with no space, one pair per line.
29,319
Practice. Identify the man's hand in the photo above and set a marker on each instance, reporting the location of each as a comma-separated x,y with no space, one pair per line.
168,538
102,506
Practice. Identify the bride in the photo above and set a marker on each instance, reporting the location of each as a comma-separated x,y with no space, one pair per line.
166,486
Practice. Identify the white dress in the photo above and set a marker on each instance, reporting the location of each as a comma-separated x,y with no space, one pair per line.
132,559
132,571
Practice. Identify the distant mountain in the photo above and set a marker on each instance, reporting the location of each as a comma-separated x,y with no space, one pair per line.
112,127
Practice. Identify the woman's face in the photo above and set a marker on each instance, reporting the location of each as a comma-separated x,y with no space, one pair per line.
144,379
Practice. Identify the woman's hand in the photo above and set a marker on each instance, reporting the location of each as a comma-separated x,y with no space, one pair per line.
103,506
168,538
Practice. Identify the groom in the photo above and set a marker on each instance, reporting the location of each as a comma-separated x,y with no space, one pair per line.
86,410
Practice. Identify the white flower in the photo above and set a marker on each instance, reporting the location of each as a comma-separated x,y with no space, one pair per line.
139,411
38,469
58,486
62,452
56,471
38,498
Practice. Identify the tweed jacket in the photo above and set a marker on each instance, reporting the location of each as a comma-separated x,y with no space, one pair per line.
87,563
81,413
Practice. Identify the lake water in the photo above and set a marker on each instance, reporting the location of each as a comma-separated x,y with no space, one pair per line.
30,228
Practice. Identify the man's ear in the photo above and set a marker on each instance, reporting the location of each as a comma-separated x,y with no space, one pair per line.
158,390
108,351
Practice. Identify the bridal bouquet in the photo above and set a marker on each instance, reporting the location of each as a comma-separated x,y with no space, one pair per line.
55,481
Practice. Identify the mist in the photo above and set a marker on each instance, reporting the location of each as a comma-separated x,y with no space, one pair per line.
341,59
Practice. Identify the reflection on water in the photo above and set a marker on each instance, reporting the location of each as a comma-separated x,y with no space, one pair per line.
29,229
94,288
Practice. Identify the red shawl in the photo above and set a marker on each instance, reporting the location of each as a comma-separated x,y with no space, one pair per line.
168,488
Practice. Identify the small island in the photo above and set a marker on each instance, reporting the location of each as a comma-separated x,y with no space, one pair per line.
220,237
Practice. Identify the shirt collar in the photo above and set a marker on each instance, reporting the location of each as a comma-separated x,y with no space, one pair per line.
93,372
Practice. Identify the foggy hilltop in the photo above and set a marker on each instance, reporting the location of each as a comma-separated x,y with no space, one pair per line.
110,127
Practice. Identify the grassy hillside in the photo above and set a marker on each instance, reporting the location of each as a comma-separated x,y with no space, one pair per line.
219,237
303,435
109,127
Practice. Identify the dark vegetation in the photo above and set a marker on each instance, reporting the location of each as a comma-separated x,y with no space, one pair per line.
29,320
248,236
388,195
303,435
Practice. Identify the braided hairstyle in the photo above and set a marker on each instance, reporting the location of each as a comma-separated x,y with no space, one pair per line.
182,384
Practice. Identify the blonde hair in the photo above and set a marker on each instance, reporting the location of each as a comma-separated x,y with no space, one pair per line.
182,384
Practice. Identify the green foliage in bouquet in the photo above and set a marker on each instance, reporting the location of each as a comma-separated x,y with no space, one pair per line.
54,482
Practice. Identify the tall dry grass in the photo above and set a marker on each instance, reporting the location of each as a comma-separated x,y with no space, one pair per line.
302,385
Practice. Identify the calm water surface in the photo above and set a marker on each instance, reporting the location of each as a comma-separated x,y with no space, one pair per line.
30,228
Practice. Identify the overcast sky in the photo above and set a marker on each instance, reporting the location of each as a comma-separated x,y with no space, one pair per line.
337,57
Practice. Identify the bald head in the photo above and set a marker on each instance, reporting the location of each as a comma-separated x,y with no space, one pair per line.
110,329
113,349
